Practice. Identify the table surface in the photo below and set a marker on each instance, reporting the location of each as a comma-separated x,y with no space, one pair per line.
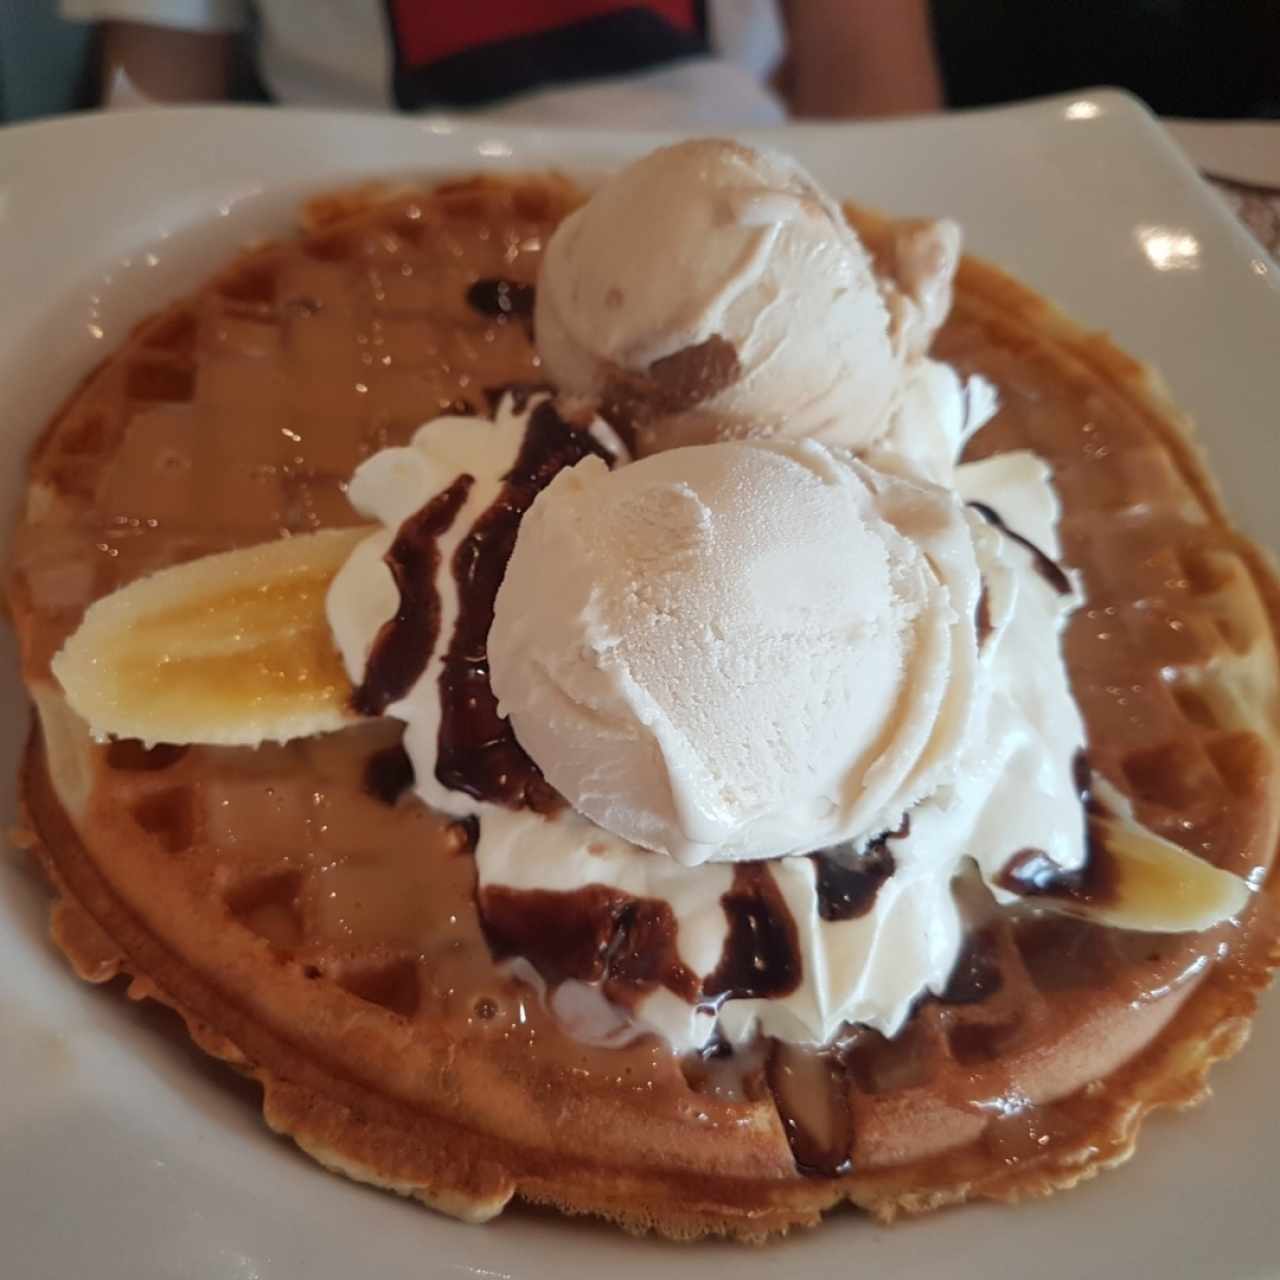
1241,162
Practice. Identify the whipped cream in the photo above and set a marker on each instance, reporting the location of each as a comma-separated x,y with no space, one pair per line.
390,487
719,291
1008,783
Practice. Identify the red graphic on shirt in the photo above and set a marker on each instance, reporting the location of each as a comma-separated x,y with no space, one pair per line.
429,30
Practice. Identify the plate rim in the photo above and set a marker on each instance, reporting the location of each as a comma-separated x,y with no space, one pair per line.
1121,105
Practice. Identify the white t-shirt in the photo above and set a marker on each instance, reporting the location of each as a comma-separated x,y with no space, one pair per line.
352,54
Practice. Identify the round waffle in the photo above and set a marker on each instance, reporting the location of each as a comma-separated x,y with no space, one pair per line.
316,927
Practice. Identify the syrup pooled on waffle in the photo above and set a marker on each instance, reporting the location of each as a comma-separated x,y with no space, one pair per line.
317,926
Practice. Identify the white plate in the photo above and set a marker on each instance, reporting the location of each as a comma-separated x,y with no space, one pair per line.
123,1153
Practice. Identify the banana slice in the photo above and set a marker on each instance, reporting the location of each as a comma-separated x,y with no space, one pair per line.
230,650
1156,886
1135,879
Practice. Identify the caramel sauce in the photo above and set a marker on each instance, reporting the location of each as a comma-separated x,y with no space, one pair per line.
977,970
269,906
281,653
278,922
374,897
731,1075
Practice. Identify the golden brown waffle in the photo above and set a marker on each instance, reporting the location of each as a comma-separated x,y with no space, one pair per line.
325,941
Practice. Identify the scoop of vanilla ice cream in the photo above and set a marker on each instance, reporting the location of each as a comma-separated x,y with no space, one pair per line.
714,290
740,650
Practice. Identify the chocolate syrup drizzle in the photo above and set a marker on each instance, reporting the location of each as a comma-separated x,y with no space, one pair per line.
811,1093
520,393
594,934
404,643
477,751
982,617
847,882
761,956
388,774
495,296
1048,568
1082,776
1034,874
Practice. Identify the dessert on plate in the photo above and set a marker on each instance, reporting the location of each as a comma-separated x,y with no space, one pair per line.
691,705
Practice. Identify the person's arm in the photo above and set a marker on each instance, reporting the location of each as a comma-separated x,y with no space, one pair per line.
167,64
859,58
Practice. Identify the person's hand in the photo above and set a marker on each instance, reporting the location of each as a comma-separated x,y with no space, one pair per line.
859,58
166,64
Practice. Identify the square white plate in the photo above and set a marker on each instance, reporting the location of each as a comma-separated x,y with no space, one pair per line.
123,1153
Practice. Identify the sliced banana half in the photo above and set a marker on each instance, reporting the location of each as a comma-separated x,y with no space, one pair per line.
1134,879
230,650
1155,886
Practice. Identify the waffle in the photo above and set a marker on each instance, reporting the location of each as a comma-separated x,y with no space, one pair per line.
316,927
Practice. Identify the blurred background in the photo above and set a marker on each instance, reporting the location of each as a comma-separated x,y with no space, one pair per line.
1194,58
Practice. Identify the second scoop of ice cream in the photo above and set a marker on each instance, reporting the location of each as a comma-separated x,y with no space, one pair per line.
740,650
714,291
